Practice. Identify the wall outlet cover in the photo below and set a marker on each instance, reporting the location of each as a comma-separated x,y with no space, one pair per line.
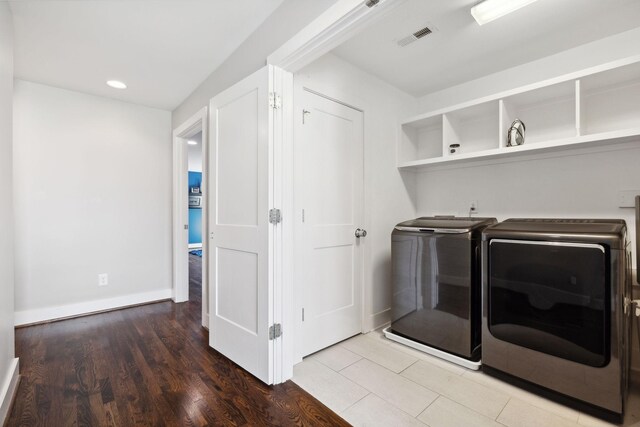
627,198
103,279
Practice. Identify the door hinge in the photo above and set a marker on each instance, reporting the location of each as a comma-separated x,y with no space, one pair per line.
275,101
275,216
275,331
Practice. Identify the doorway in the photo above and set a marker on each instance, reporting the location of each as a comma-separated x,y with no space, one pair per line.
195,204
189,213
330,183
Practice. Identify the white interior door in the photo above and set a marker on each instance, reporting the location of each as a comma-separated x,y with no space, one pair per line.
331,153
240,158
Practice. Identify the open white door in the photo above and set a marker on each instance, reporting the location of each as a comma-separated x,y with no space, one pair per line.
241,236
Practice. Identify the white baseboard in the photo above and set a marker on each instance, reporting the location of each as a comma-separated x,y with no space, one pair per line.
60,312
205,322
376,320
9,389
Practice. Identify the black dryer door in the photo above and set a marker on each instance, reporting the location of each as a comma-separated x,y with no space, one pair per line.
552,297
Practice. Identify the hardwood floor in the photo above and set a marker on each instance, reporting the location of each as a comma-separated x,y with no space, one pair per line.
146,366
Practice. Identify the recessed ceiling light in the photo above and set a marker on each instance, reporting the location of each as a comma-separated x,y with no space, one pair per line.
116,84
489,10
192,142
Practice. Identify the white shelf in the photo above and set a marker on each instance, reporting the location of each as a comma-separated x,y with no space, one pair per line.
597,106
597,139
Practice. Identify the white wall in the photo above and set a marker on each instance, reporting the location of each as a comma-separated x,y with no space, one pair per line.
194,155
578,183
289,18
588,55
92,195
7,361
389,195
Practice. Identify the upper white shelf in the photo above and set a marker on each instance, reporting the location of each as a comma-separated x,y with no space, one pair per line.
591,107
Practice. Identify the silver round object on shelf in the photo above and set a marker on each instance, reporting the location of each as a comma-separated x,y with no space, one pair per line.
515,135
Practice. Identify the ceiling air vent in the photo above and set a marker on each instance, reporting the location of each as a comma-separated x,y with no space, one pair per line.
415,36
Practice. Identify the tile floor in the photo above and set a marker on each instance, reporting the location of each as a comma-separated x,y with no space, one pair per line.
372,381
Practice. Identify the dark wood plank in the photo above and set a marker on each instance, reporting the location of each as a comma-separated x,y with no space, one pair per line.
147,366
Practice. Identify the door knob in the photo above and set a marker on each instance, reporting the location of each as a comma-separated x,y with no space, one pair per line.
361,233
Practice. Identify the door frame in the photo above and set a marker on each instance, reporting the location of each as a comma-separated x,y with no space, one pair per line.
336,25
196,123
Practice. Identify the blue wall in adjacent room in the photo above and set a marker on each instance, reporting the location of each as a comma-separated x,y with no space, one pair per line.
195,215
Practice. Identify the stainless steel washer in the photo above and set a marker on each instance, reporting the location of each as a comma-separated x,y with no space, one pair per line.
436,287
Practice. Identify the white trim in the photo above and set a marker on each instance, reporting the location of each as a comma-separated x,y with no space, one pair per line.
9,389
283,235
465,363
180,212
376,320
63,311
336,25
205,217
296,258
180,288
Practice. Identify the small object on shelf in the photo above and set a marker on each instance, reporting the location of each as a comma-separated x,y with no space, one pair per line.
515,135
454,148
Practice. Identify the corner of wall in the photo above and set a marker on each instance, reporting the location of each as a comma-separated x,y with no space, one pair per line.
8,364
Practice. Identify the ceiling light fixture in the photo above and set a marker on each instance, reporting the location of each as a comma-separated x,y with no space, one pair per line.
489,10
191,142
116,84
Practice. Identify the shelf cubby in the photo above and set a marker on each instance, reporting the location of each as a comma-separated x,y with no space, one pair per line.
548,113
421,139
475,128
610,100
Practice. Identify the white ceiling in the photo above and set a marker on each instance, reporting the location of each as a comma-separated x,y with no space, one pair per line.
460,50
162,49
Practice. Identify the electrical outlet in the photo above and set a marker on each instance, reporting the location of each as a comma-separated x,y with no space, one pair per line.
473,207
627,198
103,279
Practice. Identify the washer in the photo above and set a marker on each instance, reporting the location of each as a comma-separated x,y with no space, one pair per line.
436,287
